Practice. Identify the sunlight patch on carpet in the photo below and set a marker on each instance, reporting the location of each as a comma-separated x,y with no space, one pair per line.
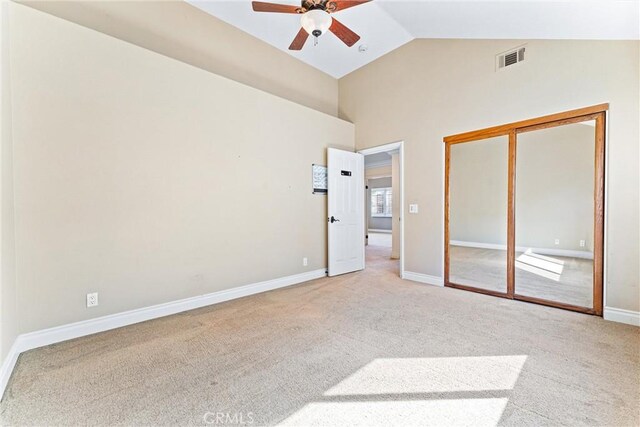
432,375
418,391
476,412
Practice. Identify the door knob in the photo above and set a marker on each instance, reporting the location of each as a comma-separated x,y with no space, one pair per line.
333,219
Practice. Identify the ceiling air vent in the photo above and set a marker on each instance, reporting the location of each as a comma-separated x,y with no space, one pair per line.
511,57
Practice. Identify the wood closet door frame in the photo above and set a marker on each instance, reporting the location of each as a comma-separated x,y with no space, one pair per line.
597,113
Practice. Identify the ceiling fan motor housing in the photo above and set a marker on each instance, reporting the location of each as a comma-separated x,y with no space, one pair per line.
326,5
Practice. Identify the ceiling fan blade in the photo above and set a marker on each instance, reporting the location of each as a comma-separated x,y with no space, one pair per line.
300,39
343,33
260,6
346,4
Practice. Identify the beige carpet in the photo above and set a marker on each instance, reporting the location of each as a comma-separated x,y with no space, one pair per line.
380,239
361,349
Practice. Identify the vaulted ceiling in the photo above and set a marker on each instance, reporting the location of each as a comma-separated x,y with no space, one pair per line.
385,25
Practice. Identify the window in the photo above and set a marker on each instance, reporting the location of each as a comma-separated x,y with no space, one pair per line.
381,202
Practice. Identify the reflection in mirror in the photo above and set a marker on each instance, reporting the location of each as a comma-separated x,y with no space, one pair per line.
478,173
555,214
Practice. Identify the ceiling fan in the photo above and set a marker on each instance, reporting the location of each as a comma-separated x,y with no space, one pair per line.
315,19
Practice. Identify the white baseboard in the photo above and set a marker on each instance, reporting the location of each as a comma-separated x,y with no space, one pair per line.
375,230
57,334
423,278
541,251
7,366
622,316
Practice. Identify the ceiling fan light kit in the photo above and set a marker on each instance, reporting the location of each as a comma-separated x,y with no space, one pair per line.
316,22
315,19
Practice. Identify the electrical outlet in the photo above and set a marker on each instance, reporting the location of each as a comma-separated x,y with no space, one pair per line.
582,243
92,299
557,242
305,261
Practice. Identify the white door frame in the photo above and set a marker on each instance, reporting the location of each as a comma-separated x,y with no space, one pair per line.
398,145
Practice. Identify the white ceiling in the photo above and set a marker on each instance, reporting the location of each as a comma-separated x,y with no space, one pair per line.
379,31
377,160
385,25
519,19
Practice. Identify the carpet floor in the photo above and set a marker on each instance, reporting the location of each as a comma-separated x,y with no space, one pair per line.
380,239
360,349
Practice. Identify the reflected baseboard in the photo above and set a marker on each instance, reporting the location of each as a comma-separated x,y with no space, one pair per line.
541,251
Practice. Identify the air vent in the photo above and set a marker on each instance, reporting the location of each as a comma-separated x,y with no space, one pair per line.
509,58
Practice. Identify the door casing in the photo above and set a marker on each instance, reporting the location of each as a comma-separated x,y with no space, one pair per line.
398,145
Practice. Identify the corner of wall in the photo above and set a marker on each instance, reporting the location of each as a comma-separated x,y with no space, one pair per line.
8,309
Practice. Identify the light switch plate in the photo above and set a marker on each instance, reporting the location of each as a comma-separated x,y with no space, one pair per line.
413,208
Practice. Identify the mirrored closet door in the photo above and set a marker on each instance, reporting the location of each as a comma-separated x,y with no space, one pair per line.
524,210
555,233
478,174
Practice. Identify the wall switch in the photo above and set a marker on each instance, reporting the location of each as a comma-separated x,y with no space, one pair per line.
557,242
305,261
582,243
413,208
92,299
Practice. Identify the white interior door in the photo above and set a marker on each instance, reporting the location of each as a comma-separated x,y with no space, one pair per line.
345,211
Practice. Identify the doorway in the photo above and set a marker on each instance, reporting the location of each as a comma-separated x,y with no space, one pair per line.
383,202
524,210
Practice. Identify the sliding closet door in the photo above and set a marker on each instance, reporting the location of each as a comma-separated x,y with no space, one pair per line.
524,210
477,220
556,237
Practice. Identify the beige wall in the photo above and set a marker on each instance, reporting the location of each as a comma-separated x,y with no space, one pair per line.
377,172
554,189
178,30
149,180
428,89
8,291
395,225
